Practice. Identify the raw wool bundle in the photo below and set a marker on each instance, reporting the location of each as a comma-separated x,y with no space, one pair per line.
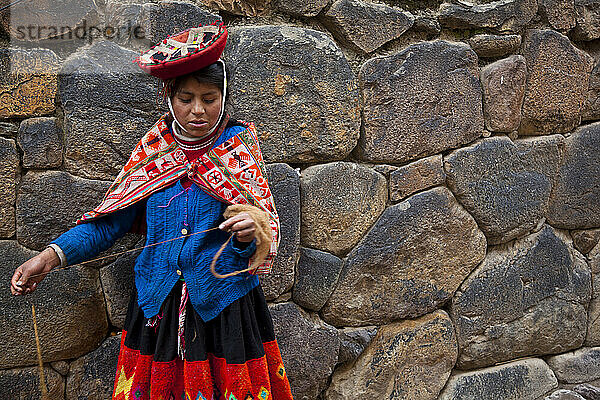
263,229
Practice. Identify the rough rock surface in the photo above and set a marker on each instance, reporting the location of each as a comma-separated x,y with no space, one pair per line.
520,380
9,169
503,186
118,283
585,240
495,45
170,17
593,329
70,313
92,376
575,201
40,140
25,384
45,209
409,360
582,365
560,13
28,82
353,341
101,131
587,14
411,261
557,83
309,349
8,129
502,16
591,108
284,183
503,90
440,107
300,8
564,394
49,20
249,8
589,392
340,202
303,78
527,298
367,26
316,275
416,176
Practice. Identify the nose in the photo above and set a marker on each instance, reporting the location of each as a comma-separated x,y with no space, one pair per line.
198,108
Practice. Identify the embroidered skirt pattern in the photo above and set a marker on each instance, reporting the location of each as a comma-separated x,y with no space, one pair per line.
232,357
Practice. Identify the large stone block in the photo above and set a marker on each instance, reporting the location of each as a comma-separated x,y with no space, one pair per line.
503,16
406,360
28,82
575,201
8,129
587,14
284,183
49,203
557,83
340,202
591,107
411,261
118,284
24,383
101,131
309,348
527,298
159,20
503,90
300,8
495,45
579,366
353,341
564,394
416,176
316,275
585,240
527,379
367,26
33,21
41,142
251,8
92,376
593,328
560,13
301,77
505,186
589,392
70,313
9,177
440,106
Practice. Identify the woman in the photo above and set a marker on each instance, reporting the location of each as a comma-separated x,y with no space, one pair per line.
189,333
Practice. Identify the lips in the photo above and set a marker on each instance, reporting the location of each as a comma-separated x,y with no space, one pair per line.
198,123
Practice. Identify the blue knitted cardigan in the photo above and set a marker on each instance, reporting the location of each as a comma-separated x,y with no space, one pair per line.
158,268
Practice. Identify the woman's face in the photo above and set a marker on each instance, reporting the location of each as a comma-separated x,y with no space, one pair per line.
197,107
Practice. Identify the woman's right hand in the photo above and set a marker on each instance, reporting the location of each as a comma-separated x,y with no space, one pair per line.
21,283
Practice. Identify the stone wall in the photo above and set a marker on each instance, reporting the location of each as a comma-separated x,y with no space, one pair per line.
436,167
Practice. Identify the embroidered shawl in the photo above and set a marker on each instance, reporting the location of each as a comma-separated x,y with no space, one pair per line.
233,172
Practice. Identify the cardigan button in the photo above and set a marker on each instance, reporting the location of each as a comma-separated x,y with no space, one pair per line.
184,231
178,272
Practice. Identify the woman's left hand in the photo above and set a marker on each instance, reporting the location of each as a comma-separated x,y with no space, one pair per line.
242,225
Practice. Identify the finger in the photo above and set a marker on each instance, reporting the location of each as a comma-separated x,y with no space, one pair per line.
242,225
16,277
227,224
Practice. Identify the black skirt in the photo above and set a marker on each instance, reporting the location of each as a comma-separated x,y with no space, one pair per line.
233,356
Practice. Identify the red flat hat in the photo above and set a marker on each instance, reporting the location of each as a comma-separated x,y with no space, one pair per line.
185,52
